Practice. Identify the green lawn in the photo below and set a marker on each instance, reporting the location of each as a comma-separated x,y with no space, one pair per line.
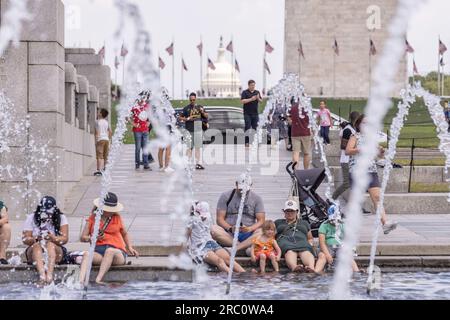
418,125
417,187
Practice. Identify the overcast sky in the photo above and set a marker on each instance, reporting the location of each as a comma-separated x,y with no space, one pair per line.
93,22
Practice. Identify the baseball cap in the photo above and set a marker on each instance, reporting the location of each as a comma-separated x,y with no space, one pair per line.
244,179
291,205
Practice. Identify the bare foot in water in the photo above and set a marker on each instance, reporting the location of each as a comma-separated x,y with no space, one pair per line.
49,278
100,283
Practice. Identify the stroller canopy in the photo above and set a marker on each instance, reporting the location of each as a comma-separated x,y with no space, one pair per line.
311,178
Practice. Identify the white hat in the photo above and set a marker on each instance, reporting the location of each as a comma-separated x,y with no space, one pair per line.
291,205
202,208
244,179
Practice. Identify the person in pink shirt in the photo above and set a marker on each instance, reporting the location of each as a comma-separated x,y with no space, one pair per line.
325,122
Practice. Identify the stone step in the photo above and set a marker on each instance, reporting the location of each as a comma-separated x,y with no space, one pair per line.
161,269
363,249
399,177
142,269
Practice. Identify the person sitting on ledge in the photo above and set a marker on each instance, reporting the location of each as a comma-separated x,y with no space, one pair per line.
295,239
112,240
253,216
5,232
331,237
201,246
45,233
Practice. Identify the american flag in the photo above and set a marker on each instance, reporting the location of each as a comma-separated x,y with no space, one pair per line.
266,66
442,47
236,66
123,51
162,65
373,50
211,64
102,52
184,65
116,62
269,48
300,49
415,67
336,47
230,46
409,49
200,48
170,49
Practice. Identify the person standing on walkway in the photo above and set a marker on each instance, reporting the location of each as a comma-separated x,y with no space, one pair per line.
5,232
193,115
301,134
250,98
103,136
374,189
325,121
164,153
347,132
140,130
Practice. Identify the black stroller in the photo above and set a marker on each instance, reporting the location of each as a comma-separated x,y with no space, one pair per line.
304,186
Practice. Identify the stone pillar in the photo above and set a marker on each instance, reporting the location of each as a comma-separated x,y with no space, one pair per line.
81,102
92,108
90,65
71,86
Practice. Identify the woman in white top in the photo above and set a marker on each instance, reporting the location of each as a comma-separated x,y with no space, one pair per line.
374,189
45,232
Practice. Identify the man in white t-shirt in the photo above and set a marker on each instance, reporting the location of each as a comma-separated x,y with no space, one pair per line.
103,134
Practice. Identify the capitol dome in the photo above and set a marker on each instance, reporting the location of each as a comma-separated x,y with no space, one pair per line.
224,81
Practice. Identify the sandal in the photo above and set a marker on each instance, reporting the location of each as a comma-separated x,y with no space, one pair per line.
199,167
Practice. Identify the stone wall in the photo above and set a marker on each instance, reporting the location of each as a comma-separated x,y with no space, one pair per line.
61,102
317,23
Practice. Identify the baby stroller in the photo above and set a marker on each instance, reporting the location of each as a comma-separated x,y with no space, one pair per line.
304,185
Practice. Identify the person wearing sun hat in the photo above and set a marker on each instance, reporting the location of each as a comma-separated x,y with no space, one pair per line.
113,242
295,239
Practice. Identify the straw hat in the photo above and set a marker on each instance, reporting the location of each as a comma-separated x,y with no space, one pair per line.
112,204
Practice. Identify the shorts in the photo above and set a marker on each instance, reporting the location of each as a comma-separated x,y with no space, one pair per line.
267,253
242,236
194,139
102,149
65,257
211,245
102,249
373,183
302,144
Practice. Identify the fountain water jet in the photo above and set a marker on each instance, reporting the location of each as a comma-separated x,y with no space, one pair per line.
377,107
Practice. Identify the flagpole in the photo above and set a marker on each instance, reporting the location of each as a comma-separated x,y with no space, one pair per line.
334,69
173,68
207,79
115,79
370,65
264,67
182,72
201,66
414,71
232,69
299,57
439,66
123,67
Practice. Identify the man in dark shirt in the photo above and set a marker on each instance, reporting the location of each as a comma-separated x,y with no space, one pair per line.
250,98
193,115
301,134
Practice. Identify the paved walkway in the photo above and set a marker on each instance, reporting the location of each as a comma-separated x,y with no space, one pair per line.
141,193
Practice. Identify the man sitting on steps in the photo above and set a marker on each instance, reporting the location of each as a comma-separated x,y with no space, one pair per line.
253,216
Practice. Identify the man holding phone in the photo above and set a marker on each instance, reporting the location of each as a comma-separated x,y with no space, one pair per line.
253,216
250,98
